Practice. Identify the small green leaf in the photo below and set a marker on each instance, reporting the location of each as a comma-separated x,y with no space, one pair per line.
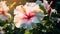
27,32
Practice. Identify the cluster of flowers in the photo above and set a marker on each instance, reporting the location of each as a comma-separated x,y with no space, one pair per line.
26,16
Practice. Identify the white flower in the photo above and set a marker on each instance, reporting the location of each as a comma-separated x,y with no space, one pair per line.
27,16
4,15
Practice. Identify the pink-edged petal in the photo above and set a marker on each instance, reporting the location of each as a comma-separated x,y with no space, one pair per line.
46,5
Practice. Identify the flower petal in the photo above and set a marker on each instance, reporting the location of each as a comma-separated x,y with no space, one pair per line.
2,17
29,26
35,20
4,6
18,9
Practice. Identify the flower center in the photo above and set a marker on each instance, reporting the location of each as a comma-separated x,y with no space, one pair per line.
1,12
29,16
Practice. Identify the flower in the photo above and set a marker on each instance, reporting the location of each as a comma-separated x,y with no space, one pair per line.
28,15
48,8
46,5
1,30
4,15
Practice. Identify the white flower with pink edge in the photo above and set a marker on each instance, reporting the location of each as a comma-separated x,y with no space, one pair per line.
28,16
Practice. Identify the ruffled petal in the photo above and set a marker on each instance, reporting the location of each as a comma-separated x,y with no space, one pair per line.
29,26
4,6
17,21
35,20
18,9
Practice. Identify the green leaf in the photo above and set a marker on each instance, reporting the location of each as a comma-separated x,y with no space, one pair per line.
27,32
42,8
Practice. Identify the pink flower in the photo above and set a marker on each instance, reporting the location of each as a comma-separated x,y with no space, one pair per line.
46,5
48,8
4,15
27,16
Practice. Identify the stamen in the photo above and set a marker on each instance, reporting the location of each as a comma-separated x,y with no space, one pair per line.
23,9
